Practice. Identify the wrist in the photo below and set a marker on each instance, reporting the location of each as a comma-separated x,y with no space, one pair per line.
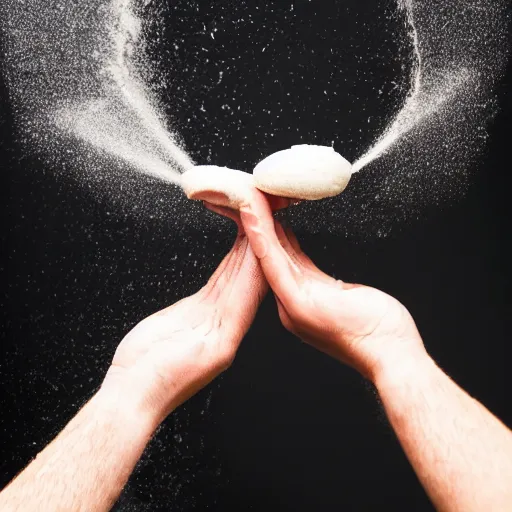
405,364
119,394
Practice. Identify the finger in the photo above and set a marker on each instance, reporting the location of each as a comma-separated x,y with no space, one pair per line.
283,315
239,269
225,212
246,284
305,261
280,270
242,289
277,202
284,240
292,246
292,239
211,291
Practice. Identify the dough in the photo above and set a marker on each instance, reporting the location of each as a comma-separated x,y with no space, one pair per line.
218,185
303,172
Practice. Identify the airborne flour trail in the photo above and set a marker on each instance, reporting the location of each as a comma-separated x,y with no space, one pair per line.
124,122
426,96
81,91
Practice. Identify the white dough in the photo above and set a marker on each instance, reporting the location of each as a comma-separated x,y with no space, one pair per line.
218,185
303,172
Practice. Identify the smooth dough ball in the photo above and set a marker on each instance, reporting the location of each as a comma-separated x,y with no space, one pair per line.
303,172
218,185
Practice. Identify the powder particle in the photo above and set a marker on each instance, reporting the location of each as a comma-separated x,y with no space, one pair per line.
91,98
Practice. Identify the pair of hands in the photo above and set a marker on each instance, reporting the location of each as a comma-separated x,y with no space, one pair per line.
174,353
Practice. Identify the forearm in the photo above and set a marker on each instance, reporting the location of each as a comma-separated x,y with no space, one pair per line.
461,453
87,465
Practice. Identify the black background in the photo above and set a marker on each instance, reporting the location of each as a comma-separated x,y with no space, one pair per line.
286,428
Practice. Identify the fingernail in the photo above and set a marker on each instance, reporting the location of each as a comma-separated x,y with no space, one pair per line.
258,241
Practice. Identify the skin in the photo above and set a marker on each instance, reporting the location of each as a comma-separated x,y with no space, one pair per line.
461,453
162,362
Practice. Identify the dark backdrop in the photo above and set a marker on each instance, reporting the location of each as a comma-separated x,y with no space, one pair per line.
286,428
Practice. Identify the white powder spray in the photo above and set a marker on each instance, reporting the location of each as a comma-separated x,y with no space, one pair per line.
428,152
82,95
426,95
123,122
74,75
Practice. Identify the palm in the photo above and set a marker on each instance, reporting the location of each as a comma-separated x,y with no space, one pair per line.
350,322
353,323
180,349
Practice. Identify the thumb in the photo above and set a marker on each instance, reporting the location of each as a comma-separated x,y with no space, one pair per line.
281,271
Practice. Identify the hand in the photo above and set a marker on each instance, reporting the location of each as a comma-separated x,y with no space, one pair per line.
358,325
174,353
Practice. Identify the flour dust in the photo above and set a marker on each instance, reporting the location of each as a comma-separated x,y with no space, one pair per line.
123,121
429,150
83,98
82,91
79,87
429,93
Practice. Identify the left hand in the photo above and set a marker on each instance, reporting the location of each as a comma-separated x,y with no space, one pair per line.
171,355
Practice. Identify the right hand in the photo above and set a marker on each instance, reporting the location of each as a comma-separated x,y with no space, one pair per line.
358,325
